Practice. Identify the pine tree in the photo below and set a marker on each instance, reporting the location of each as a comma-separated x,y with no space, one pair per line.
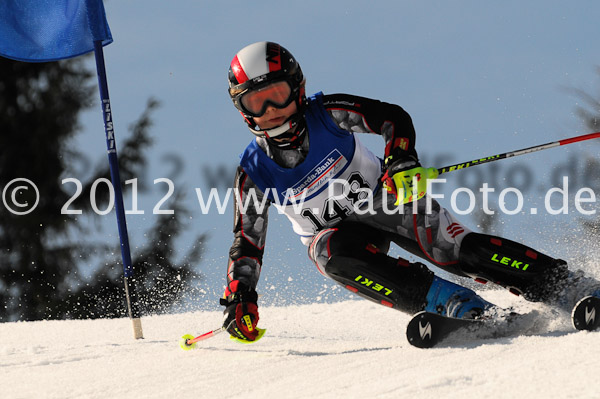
39,254
39,105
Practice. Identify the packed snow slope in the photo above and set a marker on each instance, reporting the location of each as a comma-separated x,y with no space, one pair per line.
351,349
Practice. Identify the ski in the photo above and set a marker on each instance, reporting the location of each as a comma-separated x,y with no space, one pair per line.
426,330
586,314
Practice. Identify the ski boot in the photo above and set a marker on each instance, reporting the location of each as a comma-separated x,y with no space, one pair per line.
452,300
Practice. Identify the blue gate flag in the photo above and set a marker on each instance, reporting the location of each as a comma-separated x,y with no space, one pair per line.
51,30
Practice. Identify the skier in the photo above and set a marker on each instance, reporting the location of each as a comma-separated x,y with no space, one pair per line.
306,146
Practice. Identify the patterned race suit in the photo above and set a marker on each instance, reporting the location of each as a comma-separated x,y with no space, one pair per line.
332,121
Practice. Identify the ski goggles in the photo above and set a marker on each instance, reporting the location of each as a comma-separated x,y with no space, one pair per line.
256,101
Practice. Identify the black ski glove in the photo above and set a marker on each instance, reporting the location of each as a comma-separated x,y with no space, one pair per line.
241,312
398,161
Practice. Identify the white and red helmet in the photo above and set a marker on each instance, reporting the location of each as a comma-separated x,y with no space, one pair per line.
258,66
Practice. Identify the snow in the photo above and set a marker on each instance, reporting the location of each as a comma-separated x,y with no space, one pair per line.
350,349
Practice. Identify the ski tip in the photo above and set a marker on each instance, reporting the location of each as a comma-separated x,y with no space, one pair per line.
426,330
586,314
420,332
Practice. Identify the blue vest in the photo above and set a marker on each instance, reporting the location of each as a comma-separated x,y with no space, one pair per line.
304,192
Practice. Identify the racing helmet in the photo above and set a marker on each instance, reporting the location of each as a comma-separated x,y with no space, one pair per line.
263,74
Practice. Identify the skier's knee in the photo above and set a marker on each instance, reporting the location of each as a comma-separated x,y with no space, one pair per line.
354,240
358,240
515,266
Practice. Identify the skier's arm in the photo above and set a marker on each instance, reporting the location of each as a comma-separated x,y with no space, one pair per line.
240,316
365,115
249,229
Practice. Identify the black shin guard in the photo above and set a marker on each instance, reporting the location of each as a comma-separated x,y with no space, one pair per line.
515,266
358,263
399,284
